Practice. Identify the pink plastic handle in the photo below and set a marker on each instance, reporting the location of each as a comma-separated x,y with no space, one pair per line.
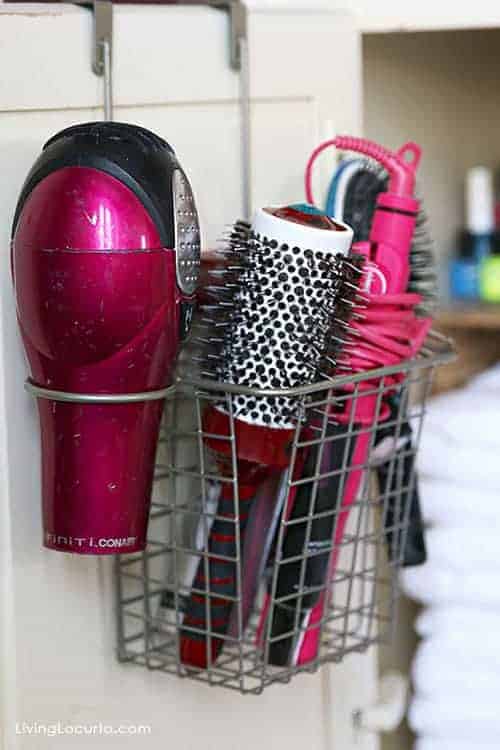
309,646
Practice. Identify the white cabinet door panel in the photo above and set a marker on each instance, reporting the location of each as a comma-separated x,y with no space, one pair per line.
56,627
394,15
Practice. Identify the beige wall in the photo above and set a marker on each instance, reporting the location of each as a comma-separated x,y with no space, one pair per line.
441,89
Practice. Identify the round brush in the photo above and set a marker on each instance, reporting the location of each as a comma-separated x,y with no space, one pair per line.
275,304
302,561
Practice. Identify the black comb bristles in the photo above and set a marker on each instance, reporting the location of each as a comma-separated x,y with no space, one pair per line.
348,297
359,207
221,271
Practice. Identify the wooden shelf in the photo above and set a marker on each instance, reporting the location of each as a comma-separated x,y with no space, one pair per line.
471,328
470,318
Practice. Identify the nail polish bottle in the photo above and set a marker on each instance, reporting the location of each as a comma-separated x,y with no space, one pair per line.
476,241
464,270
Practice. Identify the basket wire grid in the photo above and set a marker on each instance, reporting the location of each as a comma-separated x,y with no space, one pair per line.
359,589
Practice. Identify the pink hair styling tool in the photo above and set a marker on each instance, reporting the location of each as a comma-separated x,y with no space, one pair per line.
275,308
386,331
105,258
354,189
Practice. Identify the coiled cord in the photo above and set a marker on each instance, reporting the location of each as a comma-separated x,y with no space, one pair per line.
401,165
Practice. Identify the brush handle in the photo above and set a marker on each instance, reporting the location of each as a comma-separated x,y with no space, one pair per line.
309,538
413,553
221,584
261,451
309,647
405,529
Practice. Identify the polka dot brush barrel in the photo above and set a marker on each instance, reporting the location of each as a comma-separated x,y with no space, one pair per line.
283,310
275,317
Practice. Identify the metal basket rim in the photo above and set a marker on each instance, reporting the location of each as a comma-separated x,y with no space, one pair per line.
364,608
437,350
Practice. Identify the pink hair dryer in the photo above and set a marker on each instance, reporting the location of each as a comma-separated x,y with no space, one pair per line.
105,259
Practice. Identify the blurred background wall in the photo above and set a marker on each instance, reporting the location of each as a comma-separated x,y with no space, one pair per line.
440,89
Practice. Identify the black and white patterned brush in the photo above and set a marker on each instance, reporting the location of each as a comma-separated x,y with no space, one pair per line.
274,313
312,505
274,321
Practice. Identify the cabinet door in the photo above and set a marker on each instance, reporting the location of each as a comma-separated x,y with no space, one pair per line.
171,75
426,15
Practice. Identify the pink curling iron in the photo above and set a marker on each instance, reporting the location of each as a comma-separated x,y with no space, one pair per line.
105,259
387,333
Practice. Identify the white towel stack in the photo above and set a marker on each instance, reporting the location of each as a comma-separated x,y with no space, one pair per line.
456,672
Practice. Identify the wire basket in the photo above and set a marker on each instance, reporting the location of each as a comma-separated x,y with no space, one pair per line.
170,596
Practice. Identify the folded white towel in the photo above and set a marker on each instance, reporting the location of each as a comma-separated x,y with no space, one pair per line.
455,649
470,415
467,416
445,456
478,623
463,720
461,437
448,682
452,504
433,585
456,671
489,380
463,549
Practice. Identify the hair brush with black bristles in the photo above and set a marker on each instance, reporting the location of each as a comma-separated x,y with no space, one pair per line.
273,308
312,504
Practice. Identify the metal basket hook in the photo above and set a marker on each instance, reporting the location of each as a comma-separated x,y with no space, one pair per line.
102,52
